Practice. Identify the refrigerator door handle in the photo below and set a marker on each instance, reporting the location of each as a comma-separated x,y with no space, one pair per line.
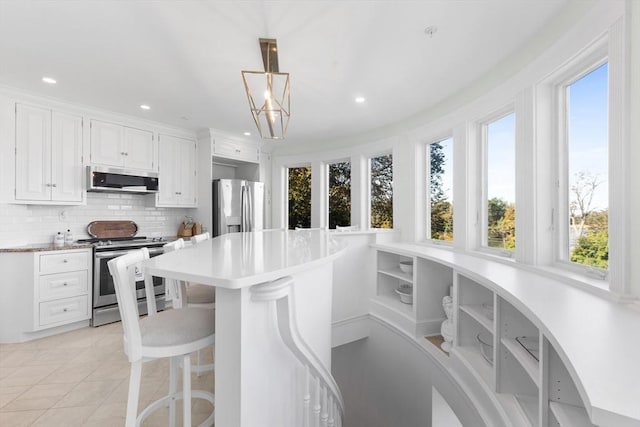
246,209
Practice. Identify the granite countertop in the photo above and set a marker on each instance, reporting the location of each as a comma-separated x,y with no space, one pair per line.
40,247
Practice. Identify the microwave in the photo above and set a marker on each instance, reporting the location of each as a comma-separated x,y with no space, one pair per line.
117,180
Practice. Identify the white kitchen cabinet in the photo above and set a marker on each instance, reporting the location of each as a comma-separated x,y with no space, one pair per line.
48,156
45,292
235,150
177,172
121,146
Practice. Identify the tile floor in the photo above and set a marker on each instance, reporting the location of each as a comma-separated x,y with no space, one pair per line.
81,378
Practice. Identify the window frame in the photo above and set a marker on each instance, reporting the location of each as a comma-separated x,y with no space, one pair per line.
327,166
369,187
561,82
286,189
427,191
482,191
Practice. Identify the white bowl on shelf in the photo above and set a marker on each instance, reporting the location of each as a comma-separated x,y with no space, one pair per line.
486,346
406,293
406,267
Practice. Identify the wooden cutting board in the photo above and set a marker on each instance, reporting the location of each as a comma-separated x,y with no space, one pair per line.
110,229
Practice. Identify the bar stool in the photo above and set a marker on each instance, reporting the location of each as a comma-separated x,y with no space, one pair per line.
201,295
191,295
173,334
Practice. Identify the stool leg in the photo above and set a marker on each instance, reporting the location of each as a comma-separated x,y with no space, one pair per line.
134,393
173,389
199,364
186,390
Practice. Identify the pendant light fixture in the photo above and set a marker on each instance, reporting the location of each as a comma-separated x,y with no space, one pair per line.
268,93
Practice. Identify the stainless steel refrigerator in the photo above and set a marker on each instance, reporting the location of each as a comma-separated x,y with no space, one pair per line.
238,205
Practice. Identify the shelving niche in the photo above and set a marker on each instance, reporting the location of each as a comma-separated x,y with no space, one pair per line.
425,314
517,368
475,303
565,405
529,383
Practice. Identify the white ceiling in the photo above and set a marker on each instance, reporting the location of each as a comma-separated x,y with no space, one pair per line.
184,58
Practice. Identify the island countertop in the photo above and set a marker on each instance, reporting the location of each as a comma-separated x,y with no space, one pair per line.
238,260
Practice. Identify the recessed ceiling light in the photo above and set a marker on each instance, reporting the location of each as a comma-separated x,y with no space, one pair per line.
360,99
49,80
431,30
247,134
145,107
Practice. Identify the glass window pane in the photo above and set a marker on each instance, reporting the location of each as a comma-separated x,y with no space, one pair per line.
339,194
299,197
382,191
501,183
440,158
588,201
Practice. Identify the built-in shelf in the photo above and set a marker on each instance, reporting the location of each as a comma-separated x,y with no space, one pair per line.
394,303
477,312
570,415
528,383
474,361
525,359
398,274
529,406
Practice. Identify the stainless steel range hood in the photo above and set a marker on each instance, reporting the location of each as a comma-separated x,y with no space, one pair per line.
117,180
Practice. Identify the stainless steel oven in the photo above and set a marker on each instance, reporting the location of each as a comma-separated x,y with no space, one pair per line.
105,304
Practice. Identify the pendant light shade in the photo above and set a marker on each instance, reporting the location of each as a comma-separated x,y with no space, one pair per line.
268,94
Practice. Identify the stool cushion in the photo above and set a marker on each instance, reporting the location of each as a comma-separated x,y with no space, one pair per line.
201,294
175,327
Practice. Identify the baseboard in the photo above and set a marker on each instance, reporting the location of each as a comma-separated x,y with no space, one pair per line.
349,330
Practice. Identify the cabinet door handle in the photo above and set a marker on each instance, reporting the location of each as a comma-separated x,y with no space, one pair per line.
54,185
64,284
48,185
237,151
65,261
126,154
64,309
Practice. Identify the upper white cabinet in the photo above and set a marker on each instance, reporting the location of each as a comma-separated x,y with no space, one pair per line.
177,172
235,150
121,146
48,156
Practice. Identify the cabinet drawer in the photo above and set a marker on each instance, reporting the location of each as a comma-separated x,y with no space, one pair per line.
68,261
235,150
63,284
64,310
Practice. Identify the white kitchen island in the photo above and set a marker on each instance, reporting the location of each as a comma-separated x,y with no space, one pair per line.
273,321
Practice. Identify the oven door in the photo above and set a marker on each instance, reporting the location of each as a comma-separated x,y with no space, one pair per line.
104,292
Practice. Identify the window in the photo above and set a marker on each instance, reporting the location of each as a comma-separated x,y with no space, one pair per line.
381,173
299,197
499,220
584,196
440,185
339,194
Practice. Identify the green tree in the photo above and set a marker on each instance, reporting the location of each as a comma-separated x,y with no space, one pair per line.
441,208
339,194
501,222
300,197
592,249
382,191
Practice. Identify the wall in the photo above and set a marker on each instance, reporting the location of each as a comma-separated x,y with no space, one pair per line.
22,224
386,380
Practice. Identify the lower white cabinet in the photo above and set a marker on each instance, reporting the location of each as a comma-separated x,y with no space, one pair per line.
43,290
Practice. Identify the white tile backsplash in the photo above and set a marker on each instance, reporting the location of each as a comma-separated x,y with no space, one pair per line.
27,224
